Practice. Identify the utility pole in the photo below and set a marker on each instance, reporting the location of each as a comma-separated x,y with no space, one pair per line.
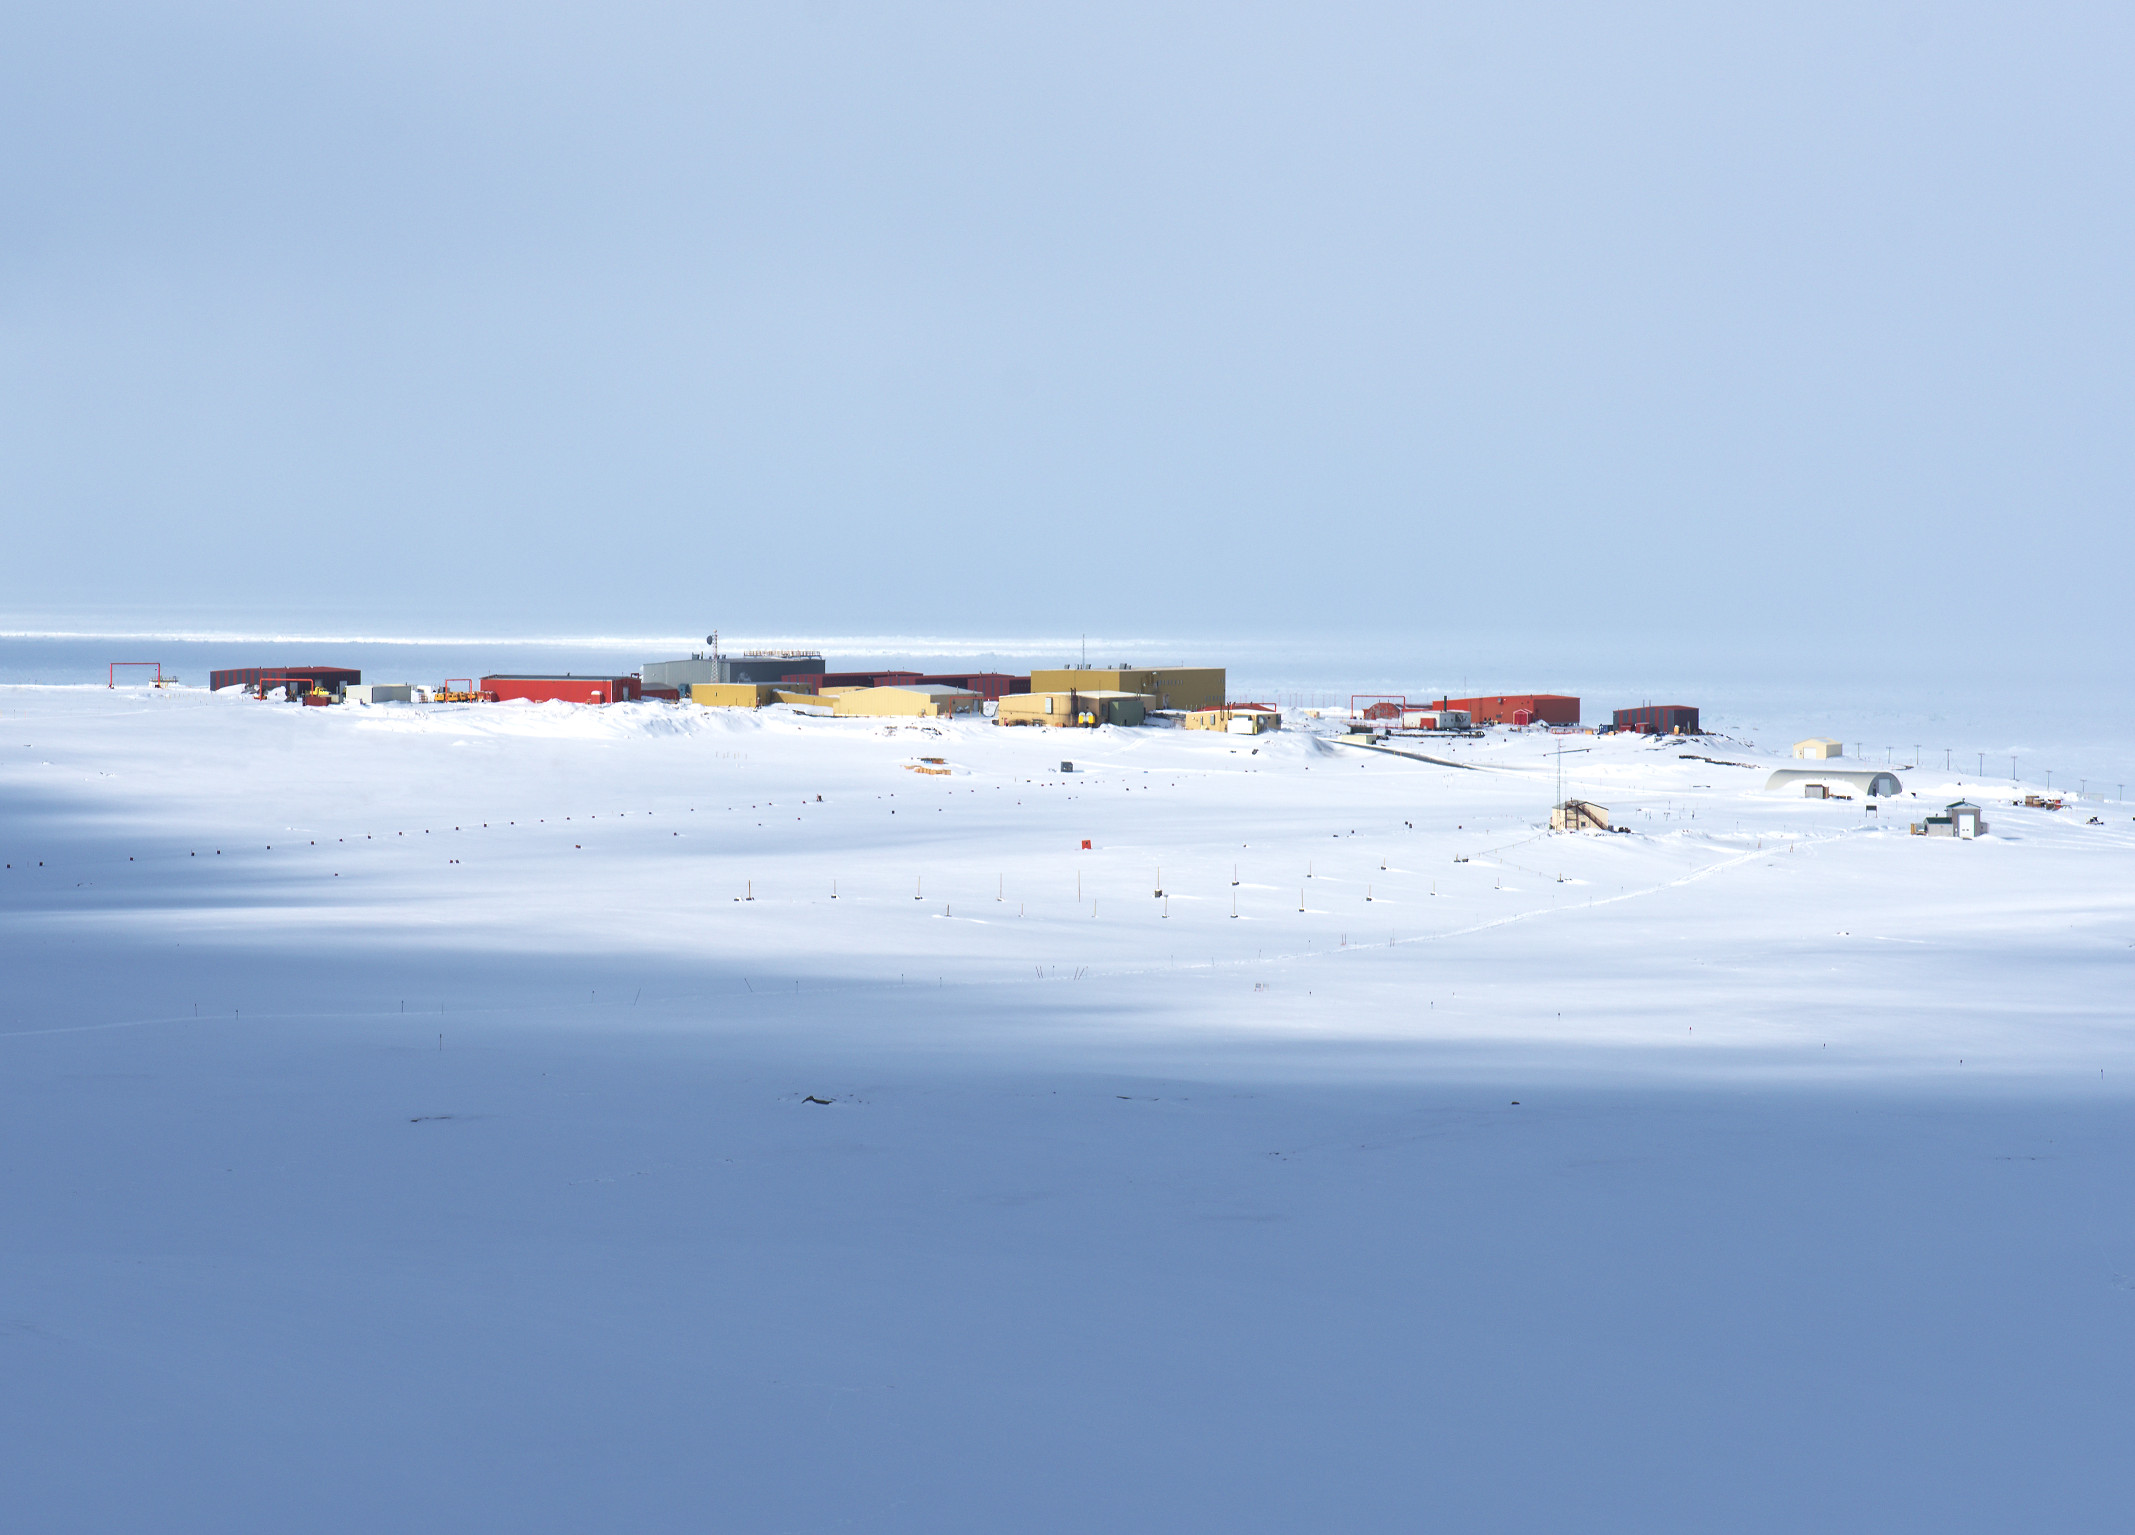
1560,781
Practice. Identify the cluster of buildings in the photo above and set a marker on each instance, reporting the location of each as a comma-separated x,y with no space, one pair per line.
1193,696
1066,696
1520,709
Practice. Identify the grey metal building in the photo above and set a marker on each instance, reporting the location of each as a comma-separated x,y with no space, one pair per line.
756,666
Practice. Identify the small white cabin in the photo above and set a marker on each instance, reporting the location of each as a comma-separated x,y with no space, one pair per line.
1962,819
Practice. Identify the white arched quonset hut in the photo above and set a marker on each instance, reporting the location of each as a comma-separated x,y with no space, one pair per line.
1820,783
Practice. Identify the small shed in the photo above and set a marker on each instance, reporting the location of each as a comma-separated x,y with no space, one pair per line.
1819,747
1961,818
378,693
1579,815
1238,719
1434,719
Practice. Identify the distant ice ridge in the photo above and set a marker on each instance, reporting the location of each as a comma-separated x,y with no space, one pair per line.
862,646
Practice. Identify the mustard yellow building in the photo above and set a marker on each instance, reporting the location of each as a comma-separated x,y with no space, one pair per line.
925,700
1238,719
1073,708
734,695
1173,687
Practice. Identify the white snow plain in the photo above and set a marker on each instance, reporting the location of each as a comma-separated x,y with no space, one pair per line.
646,1118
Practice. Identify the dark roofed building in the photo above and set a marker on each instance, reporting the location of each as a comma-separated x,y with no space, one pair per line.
331,678
1659,720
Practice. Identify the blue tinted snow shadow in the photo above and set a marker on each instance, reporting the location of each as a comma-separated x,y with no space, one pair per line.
606,1273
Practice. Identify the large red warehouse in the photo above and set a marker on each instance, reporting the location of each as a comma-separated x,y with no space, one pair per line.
567,687
1517,709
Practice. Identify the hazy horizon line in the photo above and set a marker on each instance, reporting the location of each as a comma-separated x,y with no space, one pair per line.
864,644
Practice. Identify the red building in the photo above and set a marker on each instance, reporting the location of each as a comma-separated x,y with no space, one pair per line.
821,680
1517,709
990,686
567,687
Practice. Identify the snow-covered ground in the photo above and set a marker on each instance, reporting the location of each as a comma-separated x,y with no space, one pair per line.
538,1117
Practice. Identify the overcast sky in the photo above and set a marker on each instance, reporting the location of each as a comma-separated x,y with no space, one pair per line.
1802,324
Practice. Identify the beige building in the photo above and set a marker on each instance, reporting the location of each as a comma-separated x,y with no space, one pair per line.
924,700
1819,747
1961,818
734,695
1579,815
1238,719
1173,687
1104,707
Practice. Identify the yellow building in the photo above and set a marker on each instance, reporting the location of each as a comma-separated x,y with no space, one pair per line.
925,700
1173,687
1109,707
1238,719
1819,746
733,695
